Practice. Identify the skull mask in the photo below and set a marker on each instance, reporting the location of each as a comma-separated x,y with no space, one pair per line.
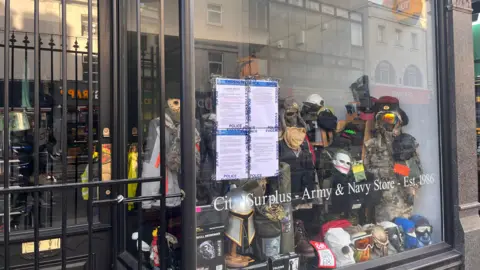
290,114
395,235
206,250
342,161
380,241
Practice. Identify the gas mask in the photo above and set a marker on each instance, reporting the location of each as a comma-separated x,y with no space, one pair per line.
380,241
362,243
423,230
395,235
174,109
389,122
206,250
342,162
338,240
290,114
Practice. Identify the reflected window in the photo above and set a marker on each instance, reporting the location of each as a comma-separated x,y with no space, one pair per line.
215,63
357,34
384,73
258,14
214,14
398,37
85,25
412,77
381,33
414,41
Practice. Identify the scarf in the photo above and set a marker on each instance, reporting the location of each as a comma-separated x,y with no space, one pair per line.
294,137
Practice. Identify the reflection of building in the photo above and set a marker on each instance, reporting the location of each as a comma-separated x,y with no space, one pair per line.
397,52
50,30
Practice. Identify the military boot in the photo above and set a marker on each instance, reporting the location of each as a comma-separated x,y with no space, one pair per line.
302,245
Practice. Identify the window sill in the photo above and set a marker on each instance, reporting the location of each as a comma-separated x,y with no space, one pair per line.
215,24
422,258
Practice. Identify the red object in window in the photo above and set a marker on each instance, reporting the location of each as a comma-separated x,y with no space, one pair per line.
312,151
401,169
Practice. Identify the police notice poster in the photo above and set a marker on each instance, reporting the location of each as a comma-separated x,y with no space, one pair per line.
247,129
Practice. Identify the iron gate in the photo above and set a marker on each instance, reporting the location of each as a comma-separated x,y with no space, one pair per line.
112,86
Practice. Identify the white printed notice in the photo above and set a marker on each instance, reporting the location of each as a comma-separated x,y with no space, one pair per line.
263,104
247,129
263,153
231,104
232,155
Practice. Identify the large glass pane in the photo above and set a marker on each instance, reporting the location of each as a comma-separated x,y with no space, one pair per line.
144,218
50,121
318,128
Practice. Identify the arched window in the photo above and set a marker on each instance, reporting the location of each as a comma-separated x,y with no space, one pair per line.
412,77
384,73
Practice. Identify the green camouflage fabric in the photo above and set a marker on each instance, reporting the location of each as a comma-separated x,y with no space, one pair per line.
174,151
397,201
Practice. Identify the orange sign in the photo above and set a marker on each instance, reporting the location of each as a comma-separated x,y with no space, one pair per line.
408,10
80,94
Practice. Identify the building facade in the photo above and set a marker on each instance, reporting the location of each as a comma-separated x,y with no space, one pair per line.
131,122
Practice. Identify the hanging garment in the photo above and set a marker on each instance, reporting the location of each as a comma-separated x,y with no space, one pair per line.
151,165
302,169
84,179
132,174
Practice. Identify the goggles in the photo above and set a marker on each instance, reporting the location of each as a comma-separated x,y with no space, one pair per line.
389,118
363,242
423,229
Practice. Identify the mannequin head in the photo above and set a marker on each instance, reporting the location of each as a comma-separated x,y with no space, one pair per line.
342,161
395,235
380,241
290,114
423,230
173,109
389,122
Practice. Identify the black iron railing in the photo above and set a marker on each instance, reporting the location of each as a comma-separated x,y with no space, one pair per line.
151,58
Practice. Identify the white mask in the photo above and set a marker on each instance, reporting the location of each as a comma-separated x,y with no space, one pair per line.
342,163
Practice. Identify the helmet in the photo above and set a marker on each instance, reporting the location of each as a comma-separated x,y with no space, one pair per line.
315,99
240,204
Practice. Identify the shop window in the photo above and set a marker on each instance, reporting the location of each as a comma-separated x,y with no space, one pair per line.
322,150
412,77
214,14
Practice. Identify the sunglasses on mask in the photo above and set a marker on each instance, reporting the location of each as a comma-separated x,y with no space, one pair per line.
424,229
388,118
362,242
